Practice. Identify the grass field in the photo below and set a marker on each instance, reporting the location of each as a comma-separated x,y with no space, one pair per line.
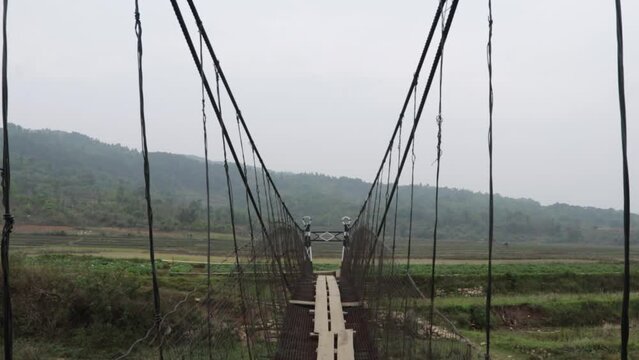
191,246
551,301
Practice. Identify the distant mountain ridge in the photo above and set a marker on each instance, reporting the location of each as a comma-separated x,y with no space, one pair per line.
62,178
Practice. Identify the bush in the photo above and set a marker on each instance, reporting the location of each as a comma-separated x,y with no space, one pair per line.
177,268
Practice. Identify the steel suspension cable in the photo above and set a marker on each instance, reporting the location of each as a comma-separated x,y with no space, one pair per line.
244,167
412,192
411,138
411,89
217,89
491,225
422,103
410,239
396,210
225,133
382,251
208,211
257,183
147,174
227,88
625,321
386,195
439,119
267,200
6,184
399,152
377,203
252,230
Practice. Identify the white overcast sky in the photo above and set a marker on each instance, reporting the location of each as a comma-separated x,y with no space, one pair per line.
321,84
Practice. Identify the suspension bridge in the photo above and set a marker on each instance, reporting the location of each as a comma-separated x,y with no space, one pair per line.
273,304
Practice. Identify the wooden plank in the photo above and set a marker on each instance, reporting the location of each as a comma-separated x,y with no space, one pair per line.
326,346
333,289
345,348
302,302
321,305
335,304
312,303
337,314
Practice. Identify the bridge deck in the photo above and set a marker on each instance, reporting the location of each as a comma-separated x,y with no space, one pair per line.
299,340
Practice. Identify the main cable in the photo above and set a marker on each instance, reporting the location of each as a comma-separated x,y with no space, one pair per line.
147,175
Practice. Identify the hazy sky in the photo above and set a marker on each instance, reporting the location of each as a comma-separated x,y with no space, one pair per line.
321,84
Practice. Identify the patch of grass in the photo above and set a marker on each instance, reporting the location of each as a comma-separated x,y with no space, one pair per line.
177,268
545,310
523,278
522,268
325,267
561,344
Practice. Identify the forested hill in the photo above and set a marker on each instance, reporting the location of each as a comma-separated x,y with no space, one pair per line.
61,178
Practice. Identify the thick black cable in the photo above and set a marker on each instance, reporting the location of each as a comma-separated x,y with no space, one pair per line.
6,183
439,119
217,88
411,89
225,133
208,213
491,225
625,321
147,173
207,41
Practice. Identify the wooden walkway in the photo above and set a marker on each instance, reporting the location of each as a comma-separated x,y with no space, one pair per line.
329,322
325,322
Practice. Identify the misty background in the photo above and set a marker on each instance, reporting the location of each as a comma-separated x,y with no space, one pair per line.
321,86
